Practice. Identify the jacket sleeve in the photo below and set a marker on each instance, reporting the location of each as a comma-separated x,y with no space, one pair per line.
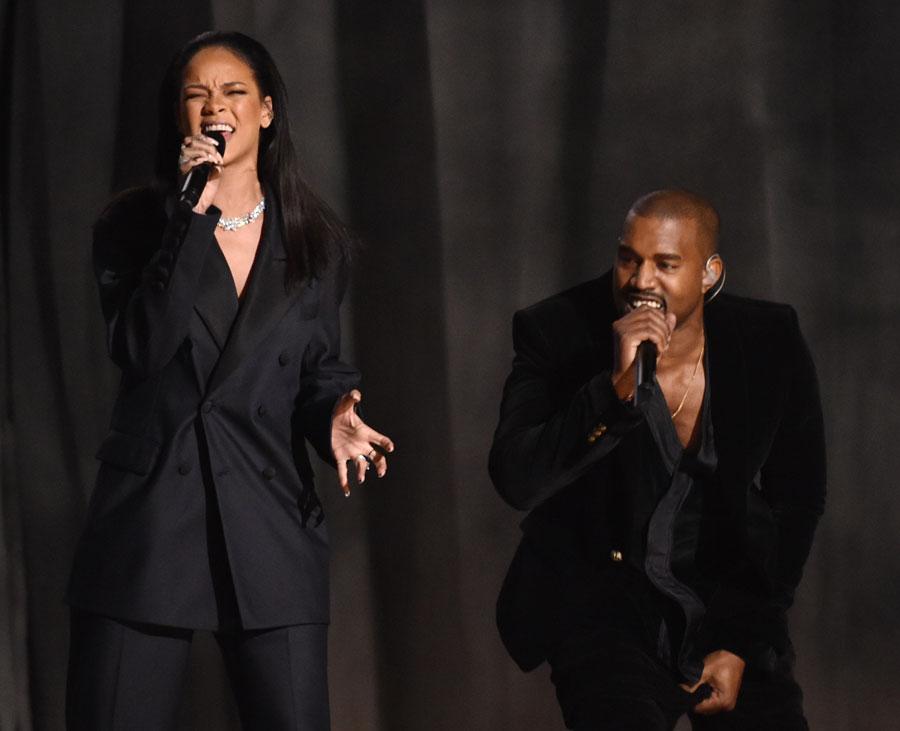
747,615
793,477
147,269
325,377
549,436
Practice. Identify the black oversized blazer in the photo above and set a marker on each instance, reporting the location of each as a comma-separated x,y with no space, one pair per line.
767,421
215,400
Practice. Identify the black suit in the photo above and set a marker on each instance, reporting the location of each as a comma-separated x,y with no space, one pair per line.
204,513
771,471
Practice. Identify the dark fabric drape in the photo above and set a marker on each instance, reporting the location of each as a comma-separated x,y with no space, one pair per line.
486,154
401,340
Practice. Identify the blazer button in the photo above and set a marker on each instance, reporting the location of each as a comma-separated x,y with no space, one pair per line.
284,358
269,472
615,555
597,432
262,410
184,468
207,407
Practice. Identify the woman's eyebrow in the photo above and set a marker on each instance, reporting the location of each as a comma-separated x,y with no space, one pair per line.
198,85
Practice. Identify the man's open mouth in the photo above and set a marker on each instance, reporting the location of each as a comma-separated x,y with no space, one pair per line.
634,301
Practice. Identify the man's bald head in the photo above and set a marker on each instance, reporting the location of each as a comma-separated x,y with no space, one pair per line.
680,204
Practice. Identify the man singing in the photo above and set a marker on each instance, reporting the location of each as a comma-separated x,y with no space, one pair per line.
669,520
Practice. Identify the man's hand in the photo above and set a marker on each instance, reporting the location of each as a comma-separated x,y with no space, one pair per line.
353,440
723,671
629,331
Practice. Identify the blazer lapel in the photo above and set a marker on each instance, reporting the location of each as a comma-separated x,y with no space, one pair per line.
728,392
264,303
217,302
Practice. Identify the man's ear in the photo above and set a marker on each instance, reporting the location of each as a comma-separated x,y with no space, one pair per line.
712,270
713,276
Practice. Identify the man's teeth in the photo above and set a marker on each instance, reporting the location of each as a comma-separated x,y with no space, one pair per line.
646,303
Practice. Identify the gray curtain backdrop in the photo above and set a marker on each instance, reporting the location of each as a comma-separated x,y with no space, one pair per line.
486,152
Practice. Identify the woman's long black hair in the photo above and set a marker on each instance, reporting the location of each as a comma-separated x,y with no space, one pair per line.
311,230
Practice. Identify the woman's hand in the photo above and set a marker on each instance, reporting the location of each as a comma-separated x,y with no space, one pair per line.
196,150
352,440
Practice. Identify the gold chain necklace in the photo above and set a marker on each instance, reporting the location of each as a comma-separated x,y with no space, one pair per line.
693,375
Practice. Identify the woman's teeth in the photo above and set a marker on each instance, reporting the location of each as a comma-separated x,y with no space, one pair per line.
218,128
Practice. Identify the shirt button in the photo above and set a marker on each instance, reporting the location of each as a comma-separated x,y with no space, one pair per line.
207,407
184,468
284,358
269,472
262,410
615,555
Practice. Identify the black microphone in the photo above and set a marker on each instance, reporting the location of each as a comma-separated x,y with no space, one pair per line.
645,362
644,366
195,180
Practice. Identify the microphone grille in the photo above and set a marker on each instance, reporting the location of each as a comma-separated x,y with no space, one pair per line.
220,138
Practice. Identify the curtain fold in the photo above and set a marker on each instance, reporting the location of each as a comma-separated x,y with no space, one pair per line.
400,337
15,710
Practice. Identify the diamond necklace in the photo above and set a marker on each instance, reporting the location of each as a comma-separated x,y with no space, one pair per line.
233,224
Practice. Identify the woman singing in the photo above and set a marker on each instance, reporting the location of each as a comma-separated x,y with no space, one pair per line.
223,318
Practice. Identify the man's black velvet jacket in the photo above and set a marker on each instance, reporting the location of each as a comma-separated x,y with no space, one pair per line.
768,429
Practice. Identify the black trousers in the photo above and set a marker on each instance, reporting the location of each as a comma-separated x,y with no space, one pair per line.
625,688
609,672
124,675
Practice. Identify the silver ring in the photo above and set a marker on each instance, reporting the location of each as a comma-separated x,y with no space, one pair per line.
362,458
182,160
